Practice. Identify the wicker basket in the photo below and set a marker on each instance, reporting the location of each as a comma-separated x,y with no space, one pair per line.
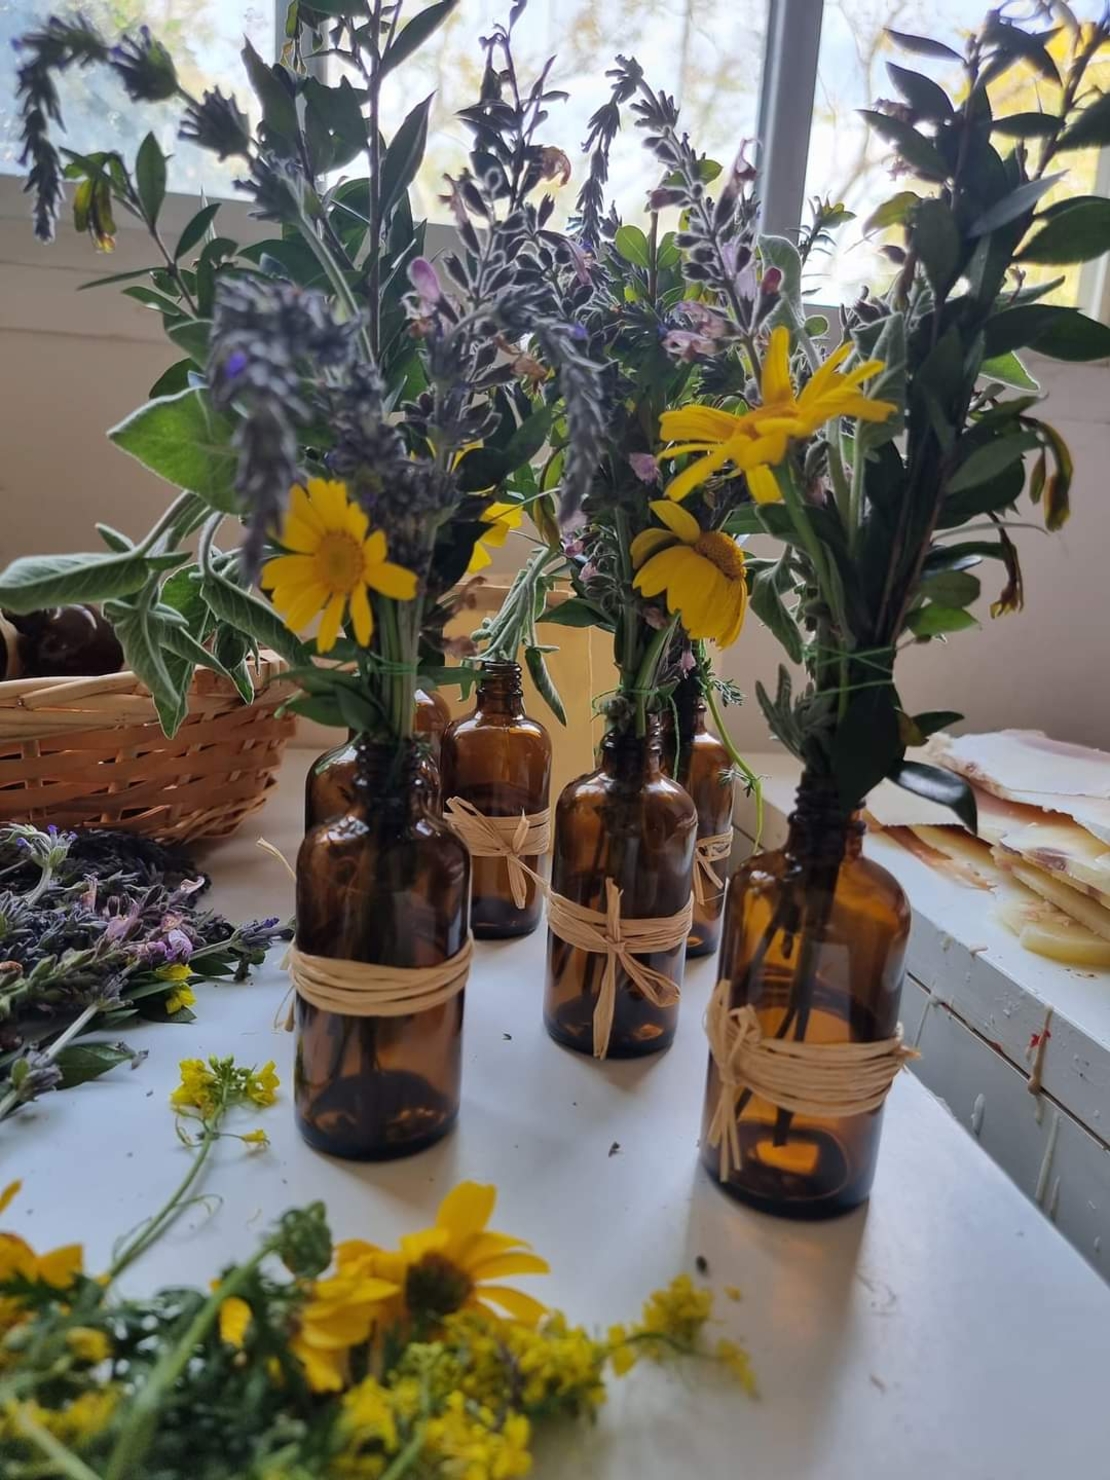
89,752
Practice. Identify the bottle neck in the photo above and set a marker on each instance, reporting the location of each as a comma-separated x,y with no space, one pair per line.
500,690
391,781
821,828
627,756
691,708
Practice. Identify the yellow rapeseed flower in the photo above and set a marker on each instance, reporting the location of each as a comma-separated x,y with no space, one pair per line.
737,1361
255,1138
471,1444
334,561
197,1089
499,518
180,997
368,1415
88,1344
262,1084
756,441
234,1320
178,972
701,572
449,1267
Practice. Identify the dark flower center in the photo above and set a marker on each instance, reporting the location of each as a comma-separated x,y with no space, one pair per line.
435,1287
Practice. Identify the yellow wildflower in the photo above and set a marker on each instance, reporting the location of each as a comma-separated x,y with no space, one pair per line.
368,1416
341,1313
736,1359
182,997
18,1260
470,1445
178,972
234,1319
732,1292
255,1138
756,441
449,1267
197,1089
262,1084
334,561
499,518
88,1344
701,572
557,1362
74,1424
678,1313
11,1191
622,1353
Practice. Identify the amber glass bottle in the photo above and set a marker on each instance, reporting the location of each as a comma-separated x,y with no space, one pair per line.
499,760
814,939
387,882
700,764
328,787
629,822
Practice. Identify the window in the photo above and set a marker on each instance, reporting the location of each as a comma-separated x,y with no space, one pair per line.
205,38
847,163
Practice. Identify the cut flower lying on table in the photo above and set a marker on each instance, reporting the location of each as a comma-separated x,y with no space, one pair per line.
314,1360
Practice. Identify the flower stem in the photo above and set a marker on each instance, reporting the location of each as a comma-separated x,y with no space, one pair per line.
755,784
12,1100
64,1461
645,676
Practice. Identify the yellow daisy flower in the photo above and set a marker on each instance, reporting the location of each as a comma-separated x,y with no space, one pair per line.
341,1313
234,1319
756,441
500,518
335,560
701,571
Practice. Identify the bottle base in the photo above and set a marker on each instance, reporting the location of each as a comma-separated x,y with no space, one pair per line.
785,1193
695,948
406,1117
503,930
618,1048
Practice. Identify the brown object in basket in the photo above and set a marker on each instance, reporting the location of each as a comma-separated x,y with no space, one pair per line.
89,752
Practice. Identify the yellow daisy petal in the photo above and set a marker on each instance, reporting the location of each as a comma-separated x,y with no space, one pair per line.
520,1306
677,519
328,633
763,487
499,1265
329,497
647,542
466,1209
661,569
300,536
479,559
392,580
374,549
776,385
696,473
697,423
12,1190
301,507
362,618
61,1266
234,1318
298,607
286,570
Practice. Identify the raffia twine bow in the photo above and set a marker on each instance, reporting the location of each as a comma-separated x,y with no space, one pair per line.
510,838
827,1079
619,940
711,850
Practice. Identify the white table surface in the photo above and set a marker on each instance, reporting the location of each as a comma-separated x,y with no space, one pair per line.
943,1331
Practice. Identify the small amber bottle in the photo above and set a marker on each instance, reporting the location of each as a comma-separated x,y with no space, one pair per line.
629,822
699,762
386,882
814,939
499,759
328,787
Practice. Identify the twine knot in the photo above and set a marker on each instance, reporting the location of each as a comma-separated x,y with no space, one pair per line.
711,850
819,1079
510,838
617,939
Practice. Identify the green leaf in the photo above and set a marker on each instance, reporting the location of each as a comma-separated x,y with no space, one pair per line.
576,612
38,581
932,721
172,381
780,252
866,742
256,618
1009,370
952,588
80,1062
537,668
914,148
337,111
937,785
936,238
279,110
1091,129
767,591
1022,327
924,96
935,621
192,336
194,230
1026,125
986,462
1019,202
1013,42
1079,234
150,177
999,492
632,245
415,34
892,212
116,277
185,441
1072,336
140,636
113,539
924,46
402,158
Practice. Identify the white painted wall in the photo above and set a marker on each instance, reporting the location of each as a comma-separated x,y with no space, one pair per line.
72,364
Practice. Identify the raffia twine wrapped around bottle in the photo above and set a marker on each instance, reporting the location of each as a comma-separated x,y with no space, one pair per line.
824,1079
710,850
510,838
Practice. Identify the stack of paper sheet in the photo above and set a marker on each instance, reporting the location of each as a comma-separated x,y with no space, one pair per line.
1044,837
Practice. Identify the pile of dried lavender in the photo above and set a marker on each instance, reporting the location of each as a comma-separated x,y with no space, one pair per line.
97,928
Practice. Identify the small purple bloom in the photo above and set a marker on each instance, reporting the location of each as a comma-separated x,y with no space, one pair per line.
588,571
579,332
687,662
424,278
235,364
645,467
